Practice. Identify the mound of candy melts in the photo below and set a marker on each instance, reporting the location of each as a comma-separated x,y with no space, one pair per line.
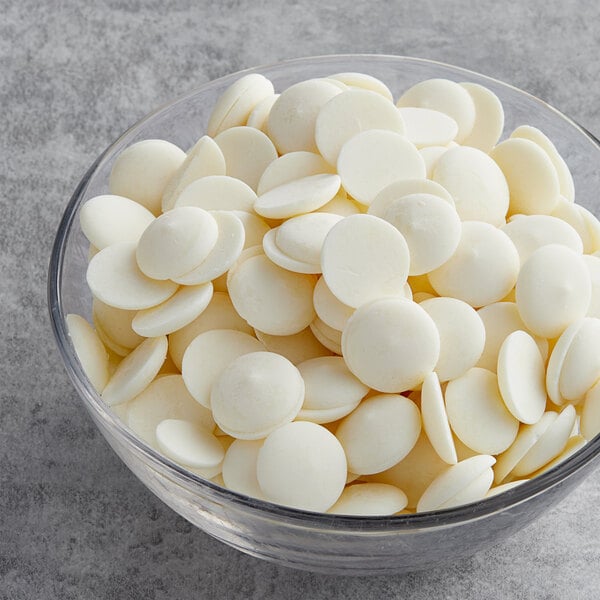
343,304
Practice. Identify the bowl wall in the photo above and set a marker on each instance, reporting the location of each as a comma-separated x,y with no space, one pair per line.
323,543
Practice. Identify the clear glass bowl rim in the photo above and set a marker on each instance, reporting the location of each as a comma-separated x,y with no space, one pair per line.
433,519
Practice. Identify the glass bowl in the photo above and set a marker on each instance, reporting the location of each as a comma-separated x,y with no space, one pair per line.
316,542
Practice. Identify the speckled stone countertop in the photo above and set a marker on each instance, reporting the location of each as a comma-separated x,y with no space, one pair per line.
74,522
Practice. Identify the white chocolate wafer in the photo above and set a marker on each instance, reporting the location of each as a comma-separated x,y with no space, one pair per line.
532,180
349,113
256,394
553,290
391,344
483,269
393,420
136,371
302,465
209,354
445,96
270,298
370,499
177,242
90,351
521,377
143,170
364,258
115,278
291,123
109,219
371,160
217,192
475,398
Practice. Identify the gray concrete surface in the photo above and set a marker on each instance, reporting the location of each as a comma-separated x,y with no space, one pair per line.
74,523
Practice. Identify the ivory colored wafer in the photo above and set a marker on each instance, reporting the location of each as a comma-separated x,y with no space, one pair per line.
427,127
557,359
298,196
392,419
445,96
391,344
581,366
370,499
270,298
247,151
474,491
329,384
173,314
90,351
430,226
532,180
136,371
567,187
256,394
143,170
590,415
328,308
177,242
489,117
108,219
349,113
462,335
476,184
292,118
302,465
302,237
475,398
452,481
209,354
115,323
521,377
217,192
371,160
227,249
236,103
574,443
527,437
189,444
116,279
165,398
292,166
281,259
553,290
435,419
483,269
239,467
259,116
364,258
203,159
549,445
